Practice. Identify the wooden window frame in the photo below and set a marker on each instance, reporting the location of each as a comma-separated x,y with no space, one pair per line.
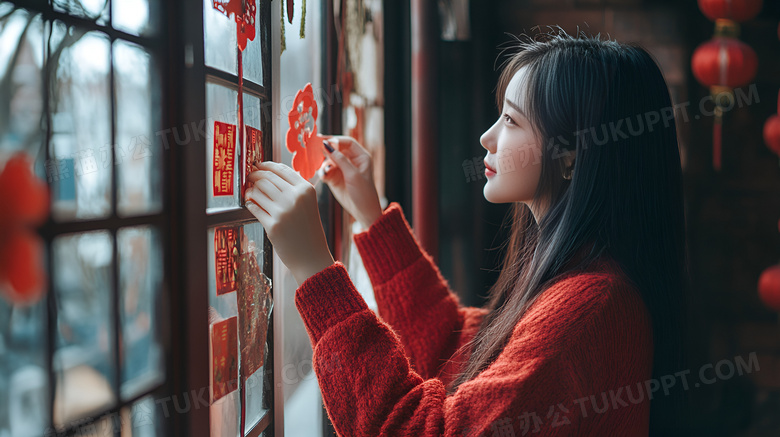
191,222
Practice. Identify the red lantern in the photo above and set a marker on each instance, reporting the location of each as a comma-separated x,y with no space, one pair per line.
725,62
737,10
722,64
769,287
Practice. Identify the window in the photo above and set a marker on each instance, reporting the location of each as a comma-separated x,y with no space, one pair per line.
82,90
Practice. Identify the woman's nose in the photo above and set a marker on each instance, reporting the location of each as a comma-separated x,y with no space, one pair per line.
487,140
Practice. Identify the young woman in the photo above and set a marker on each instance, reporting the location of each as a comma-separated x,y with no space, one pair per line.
582,331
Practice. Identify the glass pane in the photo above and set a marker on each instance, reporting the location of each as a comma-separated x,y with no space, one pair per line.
221,46
24,382
253,55
139,163
83,357
254,317
221,106
93,10
22,97
140,280
228,246
80,169
137,17
142,420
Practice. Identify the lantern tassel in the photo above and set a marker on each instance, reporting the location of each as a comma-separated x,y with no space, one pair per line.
717,127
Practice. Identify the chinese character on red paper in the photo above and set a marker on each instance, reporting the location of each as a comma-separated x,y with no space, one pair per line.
224,353
254,150
224,158
226,253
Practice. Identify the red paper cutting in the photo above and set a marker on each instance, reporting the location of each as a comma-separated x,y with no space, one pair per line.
254,150
302,138
254,308
226,258
243,12
224,158
224,358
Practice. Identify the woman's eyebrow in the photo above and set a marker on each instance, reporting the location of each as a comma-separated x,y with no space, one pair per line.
515,107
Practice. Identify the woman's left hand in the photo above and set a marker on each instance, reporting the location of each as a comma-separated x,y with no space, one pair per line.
286,205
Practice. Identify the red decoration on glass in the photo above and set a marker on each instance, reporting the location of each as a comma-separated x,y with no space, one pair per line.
224,158
254,151
254,308
224,358
226,252
302,138
25,201
243,12
736,10
290,10
769,287
245,24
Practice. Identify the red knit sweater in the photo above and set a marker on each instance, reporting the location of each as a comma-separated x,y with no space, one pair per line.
578,363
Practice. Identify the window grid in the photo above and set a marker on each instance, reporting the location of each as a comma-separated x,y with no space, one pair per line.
51,229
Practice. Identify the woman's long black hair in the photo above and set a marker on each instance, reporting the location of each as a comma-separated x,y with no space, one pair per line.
610,103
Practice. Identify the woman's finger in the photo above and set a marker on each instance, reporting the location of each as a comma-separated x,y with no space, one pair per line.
269,189
262,215
283,171
349,147
262,200
274,178
342,162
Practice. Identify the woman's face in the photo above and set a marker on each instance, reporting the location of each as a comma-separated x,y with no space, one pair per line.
514,152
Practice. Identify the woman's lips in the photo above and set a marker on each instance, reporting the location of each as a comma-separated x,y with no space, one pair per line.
489,171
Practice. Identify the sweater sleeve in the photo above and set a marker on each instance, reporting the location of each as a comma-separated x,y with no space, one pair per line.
412,295
370,389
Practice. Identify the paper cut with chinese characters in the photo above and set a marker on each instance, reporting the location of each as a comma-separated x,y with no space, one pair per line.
224,358
226,251
224,158
254,151
254,309
302,138
243,12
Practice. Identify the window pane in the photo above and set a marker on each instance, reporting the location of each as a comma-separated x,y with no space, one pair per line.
139,163
83,357
140,279
143,420
24,405
137,17
20,128
230,248
81,124
93,10
253,56
224,411
254,308
221,46
221,106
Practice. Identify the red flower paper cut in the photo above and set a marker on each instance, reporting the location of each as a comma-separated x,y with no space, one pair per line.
302,138
25,201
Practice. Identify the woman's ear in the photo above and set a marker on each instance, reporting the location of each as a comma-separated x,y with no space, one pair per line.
568,159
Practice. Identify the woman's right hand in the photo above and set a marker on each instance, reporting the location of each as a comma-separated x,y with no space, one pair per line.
349,173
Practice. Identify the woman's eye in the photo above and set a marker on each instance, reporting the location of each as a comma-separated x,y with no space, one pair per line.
508,119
